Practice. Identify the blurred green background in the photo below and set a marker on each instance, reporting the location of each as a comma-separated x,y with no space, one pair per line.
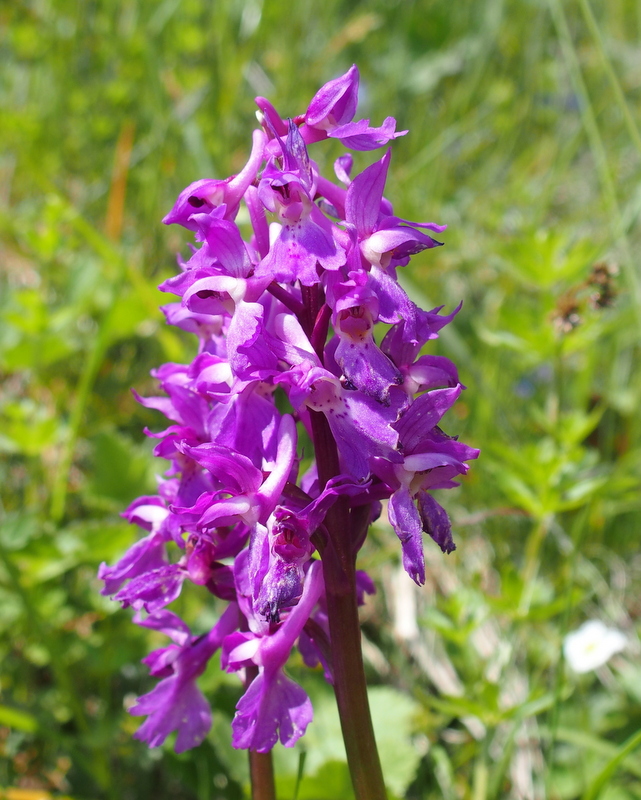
524,138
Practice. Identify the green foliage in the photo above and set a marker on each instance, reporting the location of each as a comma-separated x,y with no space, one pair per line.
523,139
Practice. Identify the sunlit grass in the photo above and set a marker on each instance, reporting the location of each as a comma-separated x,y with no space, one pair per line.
524,139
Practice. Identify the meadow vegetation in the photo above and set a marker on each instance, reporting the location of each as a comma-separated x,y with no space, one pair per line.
524,138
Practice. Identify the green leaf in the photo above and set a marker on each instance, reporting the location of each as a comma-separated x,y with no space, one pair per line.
393,715
18,720
331,781
600,782
17,530
28,428
121,471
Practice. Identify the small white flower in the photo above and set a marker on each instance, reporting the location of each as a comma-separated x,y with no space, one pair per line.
592,645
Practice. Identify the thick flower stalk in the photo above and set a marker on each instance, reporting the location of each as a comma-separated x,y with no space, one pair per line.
288,314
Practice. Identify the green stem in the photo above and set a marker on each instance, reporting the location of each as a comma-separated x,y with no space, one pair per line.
350,687
339,571
261,774
533,562
261,765
579,528
81,400
597,146
617,91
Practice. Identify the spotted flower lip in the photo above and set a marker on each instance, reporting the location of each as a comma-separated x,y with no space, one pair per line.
287,302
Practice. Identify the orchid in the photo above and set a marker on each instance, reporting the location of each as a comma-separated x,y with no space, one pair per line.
289,315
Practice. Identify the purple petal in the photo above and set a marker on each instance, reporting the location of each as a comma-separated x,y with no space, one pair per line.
343,168
224,240
398,243
144,556
239,650
295,156
232,469
202,195
204,325
431,372
367,368
228,512
249,354
364,196
422,415
168,623
439,442
153,590
312,515
364,585
272,487
273,707
281,588
360,136
272,116
148,511
182,406
258,560
335,102
247,424
436,521
405,520
173,705
297,252
363,430
161,662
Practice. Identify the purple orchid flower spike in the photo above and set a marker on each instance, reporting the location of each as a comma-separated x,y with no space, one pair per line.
286,305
